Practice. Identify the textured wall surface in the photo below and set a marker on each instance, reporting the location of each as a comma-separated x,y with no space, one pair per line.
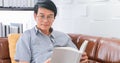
93,17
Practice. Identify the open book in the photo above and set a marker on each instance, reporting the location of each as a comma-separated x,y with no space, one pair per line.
68,54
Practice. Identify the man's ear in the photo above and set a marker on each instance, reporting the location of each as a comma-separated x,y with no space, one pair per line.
35,15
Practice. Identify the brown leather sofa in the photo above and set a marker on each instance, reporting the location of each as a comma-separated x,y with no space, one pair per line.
99,49
4,51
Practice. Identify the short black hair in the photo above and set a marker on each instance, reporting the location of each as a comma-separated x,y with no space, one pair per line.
48,4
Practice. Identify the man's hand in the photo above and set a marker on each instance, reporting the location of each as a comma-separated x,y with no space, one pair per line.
84,58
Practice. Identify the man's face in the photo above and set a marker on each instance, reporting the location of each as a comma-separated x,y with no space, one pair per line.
44,18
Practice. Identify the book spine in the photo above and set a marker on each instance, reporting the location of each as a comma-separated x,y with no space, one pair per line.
21,28
19,25
6,3
7,30
32,3
13,29
1,32
1,3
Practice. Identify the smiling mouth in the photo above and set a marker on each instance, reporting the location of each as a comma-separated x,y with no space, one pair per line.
45,25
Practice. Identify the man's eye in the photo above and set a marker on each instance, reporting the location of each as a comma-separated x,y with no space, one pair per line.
41,16
50,17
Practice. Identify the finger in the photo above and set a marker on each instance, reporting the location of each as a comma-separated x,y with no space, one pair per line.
84,54
84,57
85,61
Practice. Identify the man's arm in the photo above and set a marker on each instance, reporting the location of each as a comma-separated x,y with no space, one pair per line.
23,47
22,62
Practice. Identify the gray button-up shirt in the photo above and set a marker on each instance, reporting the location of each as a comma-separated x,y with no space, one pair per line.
35,47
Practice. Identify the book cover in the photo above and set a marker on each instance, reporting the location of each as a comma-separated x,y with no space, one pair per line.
68,54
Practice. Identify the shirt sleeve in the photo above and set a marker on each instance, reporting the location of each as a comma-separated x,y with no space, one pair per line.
23,51
70,43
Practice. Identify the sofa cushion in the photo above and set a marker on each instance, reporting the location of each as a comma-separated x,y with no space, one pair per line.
4,50
12,40
5,61
108,50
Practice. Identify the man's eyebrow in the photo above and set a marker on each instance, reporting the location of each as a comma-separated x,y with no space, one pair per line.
41,13
49,14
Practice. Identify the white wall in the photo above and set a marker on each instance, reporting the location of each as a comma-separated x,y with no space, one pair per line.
91,17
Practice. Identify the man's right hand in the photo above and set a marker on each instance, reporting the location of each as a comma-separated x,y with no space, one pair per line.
84,58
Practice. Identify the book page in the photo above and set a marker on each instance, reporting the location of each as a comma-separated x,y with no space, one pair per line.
65,55
83,46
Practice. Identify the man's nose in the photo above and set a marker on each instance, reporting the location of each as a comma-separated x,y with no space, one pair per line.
45,19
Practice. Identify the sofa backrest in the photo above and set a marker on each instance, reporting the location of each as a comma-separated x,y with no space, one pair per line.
91,47
99,49
108,50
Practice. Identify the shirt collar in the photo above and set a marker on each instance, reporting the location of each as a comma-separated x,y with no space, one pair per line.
39,31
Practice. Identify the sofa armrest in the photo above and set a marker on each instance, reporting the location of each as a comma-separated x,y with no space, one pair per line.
4,50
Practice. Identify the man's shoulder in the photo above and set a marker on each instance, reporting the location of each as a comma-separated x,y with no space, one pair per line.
59,33
27,33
